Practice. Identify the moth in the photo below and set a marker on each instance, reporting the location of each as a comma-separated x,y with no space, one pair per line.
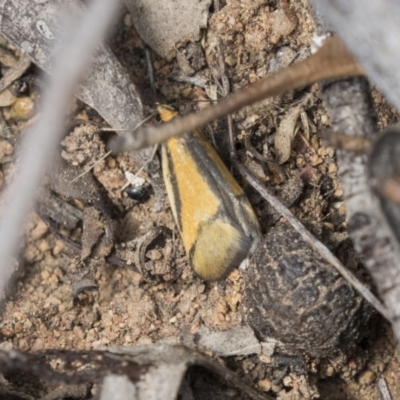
217,224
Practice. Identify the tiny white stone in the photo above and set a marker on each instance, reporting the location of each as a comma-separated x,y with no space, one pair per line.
135,181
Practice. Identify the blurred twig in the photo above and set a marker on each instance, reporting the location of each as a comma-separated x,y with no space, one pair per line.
41,143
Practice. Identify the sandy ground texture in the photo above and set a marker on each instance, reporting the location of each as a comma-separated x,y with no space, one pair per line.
164,300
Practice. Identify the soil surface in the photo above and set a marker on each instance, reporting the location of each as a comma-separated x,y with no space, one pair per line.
164,300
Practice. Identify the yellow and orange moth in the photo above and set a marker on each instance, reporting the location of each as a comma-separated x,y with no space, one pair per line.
215,219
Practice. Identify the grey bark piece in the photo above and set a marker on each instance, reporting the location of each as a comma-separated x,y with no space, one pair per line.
163,24
349,106
34,28
371,30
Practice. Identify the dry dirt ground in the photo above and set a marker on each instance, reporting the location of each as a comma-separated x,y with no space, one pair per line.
167,301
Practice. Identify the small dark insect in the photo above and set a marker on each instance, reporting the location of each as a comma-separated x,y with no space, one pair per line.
140,194
294,296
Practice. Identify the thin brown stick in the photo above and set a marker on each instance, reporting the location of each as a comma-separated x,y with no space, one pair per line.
331,61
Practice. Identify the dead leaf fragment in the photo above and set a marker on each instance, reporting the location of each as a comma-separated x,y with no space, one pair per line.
285,134
236,341
287,130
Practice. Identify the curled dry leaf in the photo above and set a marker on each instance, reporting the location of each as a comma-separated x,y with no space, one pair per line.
285,134
287,131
